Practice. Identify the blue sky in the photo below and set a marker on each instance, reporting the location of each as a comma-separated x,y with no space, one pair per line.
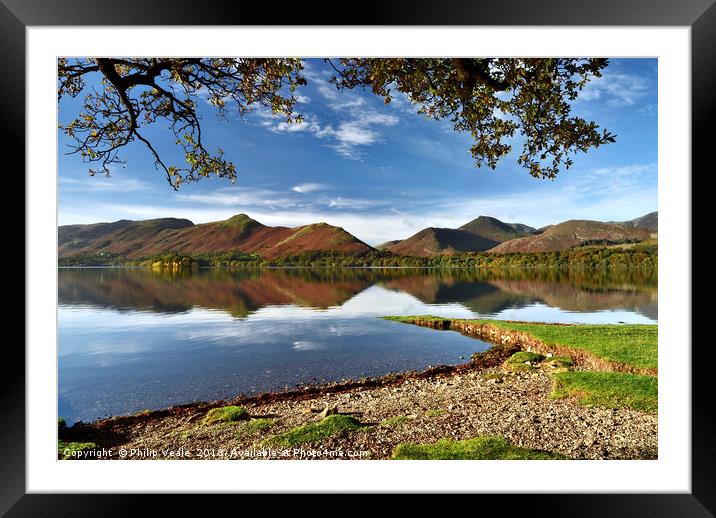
380,171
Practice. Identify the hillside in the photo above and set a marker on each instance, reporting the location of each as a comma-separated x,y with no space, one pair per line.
648,221
387,244
478,235
113,237
444,241
496,230
137,239
572,233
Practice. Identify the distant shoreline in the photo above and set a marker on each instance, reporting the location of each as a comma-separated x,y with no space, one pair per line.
642,255
327,267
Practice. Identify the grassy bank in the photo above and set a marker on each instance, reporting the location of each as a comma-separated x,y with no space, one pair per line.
635,345
618,347
608,389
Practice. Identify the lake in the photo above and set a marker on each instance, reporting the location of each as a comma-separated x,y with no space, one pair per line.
133,339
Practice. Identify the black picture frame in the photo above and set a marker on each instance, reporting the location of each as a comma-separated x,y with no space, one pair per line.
699,15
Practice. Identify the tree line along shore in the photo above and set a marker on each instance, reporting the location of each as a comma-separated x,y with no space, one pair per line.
641,255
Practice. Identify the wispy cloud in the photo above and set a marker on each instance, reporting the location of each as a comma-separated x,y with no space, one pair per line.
307,187
101,183
347,137
353,203
241,199
616,90
353,125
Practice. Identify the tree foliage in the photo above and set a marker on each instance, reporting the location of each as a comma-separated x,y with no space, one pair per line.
640,255
496,100
493,98
137,92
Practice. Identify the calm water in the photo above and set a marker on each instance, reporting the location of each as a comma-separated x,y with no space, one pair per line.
131,340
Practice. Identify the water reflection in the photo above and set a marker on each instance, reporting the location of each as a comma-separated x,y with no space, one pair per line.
134,339
243,292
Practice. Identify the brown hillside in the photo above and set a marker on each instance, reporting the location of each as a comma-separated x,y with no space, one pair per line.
387,244
572,233
442,241
136,239
496,230
648,221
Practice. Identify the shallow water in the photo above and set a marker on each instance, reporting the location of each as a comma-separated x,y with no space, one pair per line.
132,339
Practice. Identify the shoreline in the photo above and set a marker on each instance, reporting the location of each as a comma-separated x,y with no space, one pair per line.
366,267
492,357
459,402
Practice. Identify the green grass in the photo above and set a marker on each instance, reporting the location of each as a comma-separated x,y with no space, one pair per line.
608,389
397,420
65,450
434,412
255,426
525,356
331,426
631,344
561,361
227,414
521,367
478,448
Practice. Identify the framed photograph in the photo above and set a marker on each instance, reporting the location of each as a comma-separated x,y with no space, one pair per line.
416,252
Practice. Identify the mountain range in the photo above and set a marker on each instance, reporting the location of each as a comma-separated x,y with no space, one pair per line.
137,239
146,238
479,235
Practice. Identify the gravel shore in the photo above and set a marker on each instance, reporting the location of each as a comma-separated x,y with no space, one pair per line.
460,405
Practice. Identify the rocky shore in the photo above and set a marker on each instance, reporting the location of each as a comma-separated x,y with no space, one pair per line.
457,405
506,393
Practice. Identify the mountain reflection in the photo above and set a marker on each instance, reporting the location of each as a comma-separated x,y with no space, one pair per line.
243,292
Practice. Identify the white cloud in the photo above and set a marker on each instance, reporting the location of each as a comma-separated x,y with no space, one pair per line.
337,100
357,125
353,203
625,171
101,183
241,198
616,90
360,131
307,187
346,137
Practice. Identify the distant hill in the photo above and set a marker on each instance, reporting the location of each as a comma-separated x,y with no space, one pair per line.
445,241
110,237
478,235
496,230
649,222
387,244
572,233
541,229
240,233
136,239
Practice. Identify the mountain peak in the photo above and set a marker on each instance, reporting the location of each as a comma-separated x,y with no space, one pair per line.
241,223
240,217
496,230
